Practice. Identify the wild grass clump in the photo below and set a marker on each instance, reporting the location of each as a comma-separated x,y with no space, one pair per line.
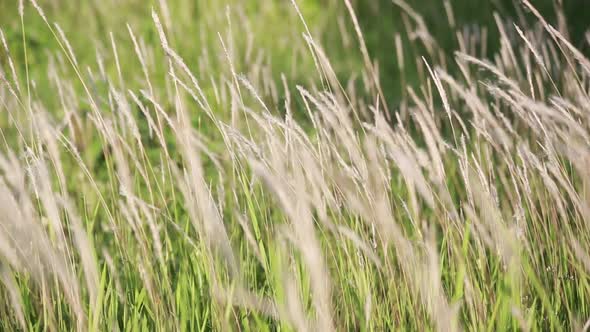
177,195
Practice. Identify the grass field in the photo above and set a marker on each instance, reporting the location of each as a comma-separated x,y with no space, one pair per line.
293,166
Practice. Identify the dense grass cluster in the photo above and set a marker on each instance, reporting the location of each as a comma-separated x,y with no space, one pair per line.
251,183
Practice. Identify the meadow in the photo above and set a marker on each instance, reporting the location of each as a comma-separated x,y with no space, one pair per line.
301,165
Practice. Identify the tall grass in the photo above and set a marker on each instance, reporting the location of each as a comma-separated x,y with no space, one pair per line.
178,194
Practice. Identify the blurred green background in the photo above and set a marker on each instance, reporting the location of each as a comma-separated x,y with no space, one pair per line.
270,32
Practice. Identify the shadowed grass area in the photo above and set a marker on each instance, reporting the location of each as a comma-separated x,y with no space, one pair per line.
293,165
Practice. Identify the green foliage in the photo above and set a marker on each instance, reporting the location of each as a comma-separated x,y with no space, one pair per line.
236,183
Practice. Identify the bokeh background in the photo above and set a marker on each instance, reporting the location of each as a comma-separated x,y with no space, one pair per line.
270,31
